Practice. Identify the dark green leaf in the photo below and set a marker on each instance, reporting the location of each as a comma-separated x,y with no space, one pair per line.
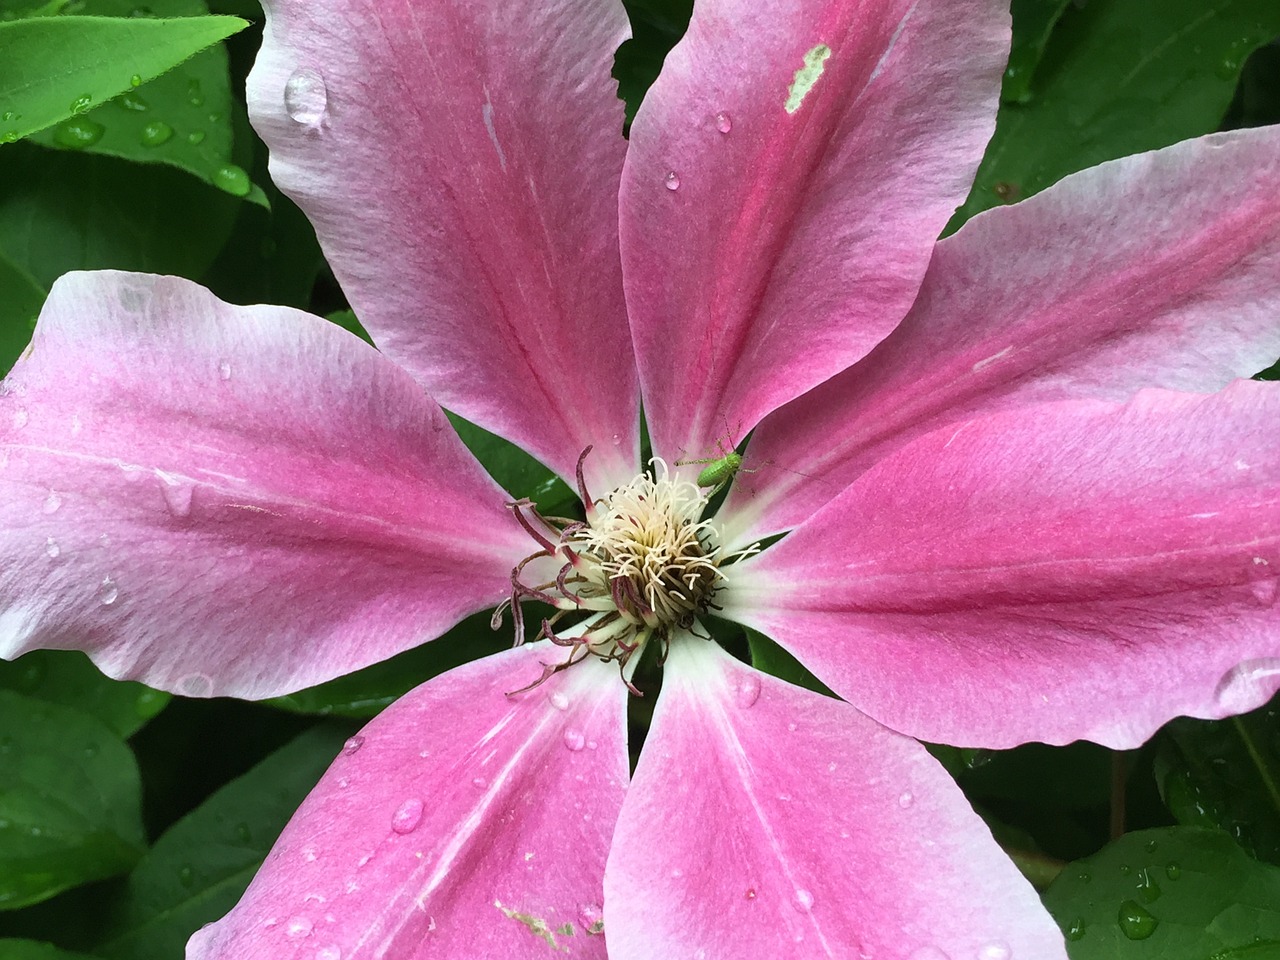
197,870
20,300
768,656
366,692
1118,78
1226,774
1178,893
69,801
64,211
1033,21
56,68
1064,778
183,118
69,678
516,471
35,950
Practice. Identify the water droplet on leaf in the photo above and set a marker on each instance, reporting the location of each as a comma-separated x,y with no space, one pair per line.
135,80
186,876
78,133
155,133
132,101
1173,871
232,180
305,97
195,137
1075,931
1135,922
82,103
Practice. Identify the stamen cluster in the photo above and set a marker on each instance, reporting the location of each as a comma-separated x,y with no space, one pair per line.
641,565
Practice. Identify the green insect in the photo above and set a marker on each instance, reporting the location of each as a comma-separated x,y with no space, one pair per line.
718,470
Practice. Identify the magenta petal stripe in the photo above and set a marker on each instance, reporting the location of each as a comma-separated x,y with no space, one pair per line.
230,501
460,163
788,174
1153,270
461,822
1015,578
770,823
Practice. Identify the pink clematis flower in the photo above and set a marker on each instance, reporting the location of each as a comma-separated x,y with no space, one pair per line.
1025,495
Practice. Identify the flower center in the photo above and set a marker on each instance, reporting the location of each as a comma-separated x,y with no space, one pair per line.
642,565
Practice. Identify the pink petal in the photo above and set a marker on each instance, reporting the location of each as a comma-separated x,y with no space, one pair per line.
769,240
460,163
1074,570
231,501
1154,270
769,822
461,822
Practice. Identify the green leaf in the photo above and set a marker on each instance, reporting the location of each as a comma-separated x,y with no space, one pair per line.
56,68
1064,778
366,692
516,471
768,656
1178,893
69,801
36,950
1226,774
183,118
64,211
20,300
1033,22
68,677
199,868
1118,78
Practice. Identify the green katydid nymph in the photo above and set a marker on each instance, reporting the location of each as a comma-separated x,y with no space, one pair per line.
718,470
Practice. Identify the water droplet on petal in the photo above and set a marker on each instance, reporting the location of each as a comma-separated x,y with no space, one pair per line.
1266,591
297,928
177,492
353,744
672,180
480,782
995,950
198,685
803,900
407,816
724,123
155,133
331,952
559,700
747,691
21,418
224,370
1135,922
305,97
108,592
906,799
574,740
233,180
1247,685
590,914
52,549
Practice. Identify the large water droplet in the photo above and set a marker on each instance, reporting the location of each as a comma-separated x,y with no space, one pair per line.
672,180
155,133
724,123
559,700
52,549
133,101
196,685
574,740
297,928
305,97
747,691
803,900
232,180
353,744
1247,685
407,816
177,492
995,950
82,103
78,133
108,592
1135,922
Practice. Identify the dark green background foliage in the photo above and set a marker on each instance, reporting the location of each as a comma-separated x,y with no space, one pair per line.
129,818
